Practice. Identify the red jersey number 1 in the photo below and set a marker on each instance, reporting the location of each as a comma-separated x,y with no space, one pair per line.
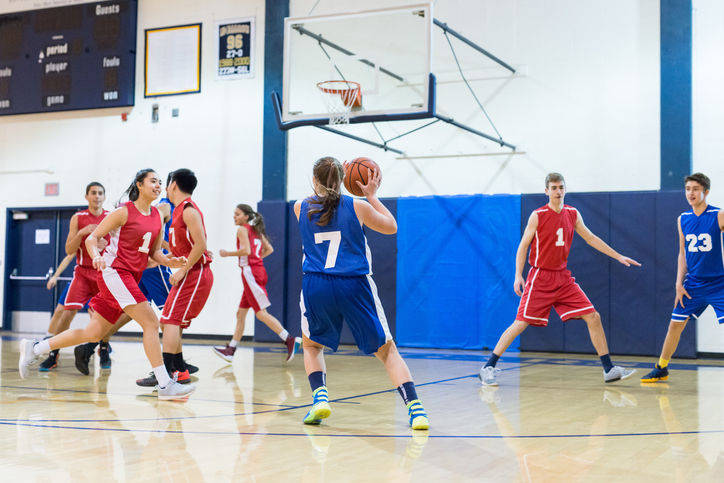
146,243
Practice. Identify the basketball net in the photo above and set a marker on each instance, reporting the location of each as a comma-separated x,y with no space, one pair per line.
339,98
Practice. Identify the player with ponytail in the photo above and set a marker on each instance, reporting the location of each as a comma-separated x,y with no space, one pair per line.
252,245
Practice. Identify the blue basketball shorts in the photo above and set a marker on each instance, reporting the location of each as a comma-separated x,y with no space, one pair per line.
702,295
329,300
61,300
155,285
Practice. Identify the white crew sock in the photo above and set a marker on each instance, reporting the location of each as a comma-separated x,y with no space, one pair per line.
284,334
162,376
48,335
42,347
232,343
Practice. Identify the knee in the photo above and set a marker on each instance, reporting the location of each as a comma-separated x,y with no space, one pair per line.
677,327
519,326
593,319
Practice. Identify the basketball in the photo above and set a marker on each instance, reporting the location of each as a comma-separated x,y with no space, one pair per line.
356,170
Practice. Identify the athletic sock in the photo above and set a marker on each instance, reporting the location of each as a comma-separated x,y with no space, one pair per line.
168,362
178,362
283,335
663,362
606,361
162,376
48,335
233,343
407,391
54,353
493,360
104,345
41,347
317,380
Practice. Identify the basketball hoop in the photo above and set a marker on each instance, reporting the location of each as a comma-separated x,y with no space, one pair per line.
339,98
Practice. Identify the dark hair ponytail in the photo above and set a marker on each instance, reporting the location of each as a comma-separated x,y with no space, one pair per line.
255,220
132,191
329,174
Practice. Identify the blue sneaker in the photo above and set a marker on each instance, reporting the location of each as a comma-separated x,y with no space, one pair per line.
320,407
658,374
418,416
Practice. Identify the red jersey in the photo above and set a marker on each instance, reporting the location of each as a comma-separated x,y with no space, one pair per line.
85,218
131,244
256,245
180,238
553,237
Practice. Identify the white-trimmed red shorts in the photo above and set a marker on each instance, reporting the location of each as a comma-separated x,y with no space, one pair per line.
118,289
186,300
83,287
547,288
255,296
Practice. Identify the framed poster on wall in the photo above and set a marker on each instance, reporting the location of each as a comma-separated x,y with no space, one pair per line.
173,60
235,46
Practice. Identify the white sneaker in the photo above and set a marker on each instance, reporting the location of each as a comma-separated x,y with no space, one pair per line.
27,357
488,375
174,390
617,373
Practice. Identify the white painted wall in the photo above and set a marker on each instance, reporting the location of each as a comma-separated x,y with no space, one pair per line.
218,134
588,105
708,120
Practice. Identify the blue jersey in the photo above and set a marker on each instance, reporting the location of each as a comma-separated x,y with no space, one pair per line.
338,248
167,225
703,245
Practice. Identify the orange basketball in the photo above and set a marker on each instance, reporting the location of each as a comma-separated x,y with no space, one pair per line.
356,170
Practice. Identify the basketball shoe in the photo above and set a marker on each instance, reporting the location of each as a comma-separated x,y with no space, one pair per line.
293,344
488,375
182,377
149,381
82,358
658,374
50,363
320,407
418,416
192,369
105,356
175,390
27,357
617,373
227,353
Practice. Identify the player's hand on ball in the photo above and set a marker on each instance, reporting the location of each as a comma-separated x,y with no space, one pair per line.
628,261
680,294
374,180
518,286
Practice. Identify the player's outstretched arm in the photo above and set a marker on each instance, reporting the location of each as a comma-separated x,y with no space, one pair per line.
599,244
528,235
681,268
115,220
58,271
242,234
374,214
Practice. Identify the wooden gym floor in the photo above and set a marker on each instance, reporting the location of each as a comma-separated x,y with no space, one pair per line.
551,419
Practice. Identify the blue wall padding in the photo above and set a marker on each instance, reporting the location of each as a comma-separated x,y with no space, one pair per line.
669,205
455,270
384,256
633,290
275,221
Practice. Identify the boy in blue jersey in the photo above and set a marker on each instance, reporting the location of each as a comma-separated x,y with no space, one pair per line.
700,272
338,285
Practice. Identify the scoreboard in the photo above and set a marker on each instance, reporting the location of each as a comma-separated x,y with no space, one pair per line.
68,58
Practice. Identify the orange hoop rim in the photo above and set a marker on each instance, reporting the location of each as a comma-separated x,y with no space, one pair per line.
327,90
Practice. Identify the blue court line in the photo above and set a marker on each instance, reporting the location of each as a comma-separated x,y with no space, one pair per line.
333,435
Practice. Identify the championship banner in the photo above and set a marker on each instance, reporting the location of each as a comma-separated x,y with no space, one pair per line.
235,45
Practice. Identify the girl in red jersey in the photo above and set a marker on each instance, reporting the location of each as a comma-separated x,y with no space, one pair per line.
252,245
136,234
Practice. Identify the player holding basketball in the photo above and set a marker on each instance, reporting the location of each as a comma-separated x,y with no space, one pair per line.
338,284
700,271
135,229
549,284
191,283
83,286
252,245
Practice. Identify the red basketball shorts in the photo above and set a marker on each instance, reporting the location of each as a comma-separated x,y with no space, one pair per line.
255,296
186,300
545,289
83,287
118,289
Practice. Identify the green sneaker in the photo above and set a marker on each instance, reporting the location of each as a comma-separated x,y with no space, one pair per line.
320,407
418,417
